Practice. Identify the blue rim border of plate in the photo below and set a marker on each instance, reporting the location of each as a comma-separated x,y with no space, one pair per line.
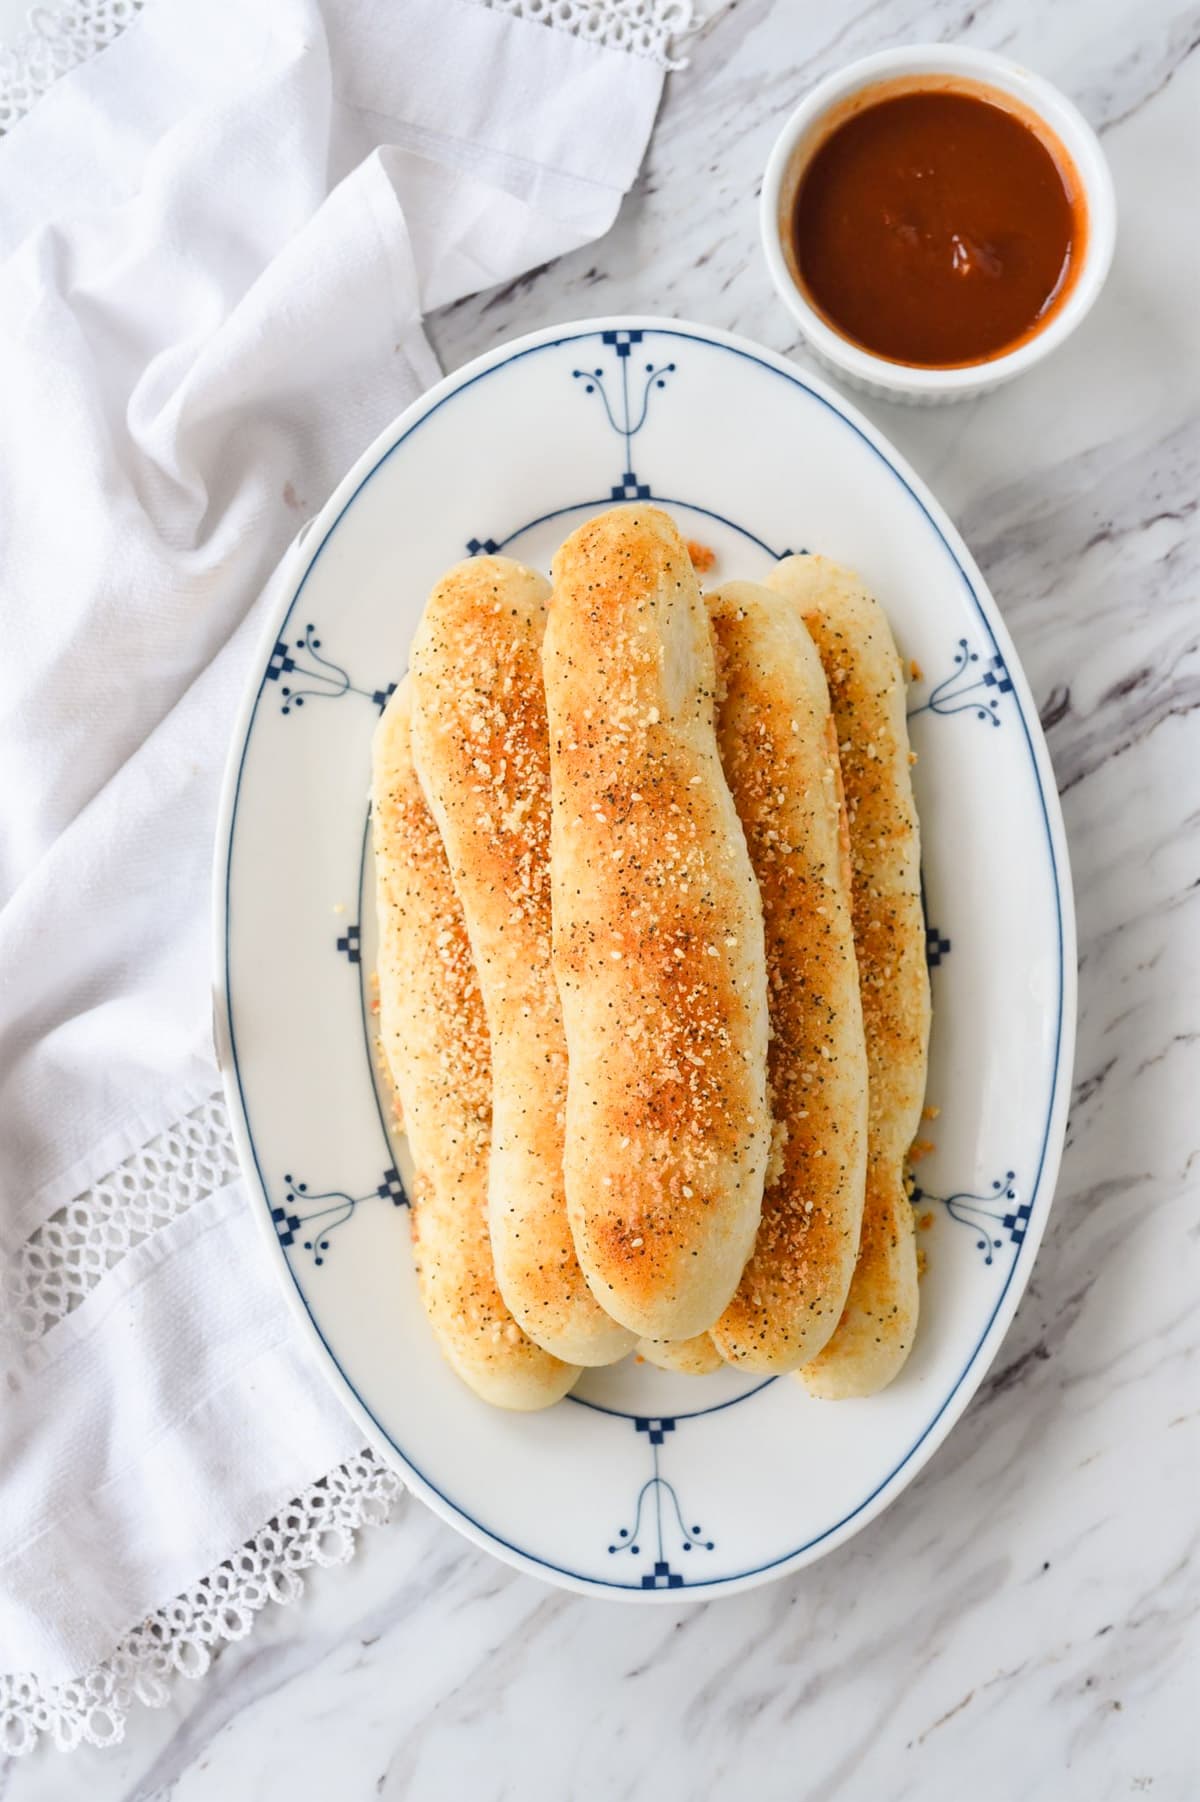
372,460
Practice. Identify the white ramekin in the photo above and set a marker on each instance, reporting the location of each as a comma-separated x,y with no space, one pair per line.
800,137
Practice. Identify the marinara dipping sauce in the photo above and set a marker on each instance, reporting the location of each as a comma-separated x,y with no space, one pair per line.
937,227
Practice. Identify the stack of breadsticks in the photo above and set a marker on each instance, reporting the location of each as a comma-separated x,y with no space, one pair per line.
652,981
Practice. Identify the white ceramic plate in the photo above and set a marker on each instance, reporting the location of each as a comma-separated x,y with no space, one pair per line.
642,1484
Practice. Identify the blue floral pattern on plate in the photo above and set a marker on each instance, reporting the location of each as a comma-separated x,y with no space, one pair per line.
975,685
626,376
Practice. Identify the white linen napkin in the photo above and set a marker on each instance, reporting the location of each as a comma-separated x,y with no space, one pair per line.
216,244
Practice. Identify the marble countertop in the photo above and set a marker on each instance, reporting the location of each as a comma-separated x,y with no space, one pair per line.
1016,1626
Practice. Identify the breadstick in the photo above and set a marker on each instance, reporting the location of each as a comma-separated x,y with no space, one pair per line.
696,1357
780,758
658,938
480,747
867,690
435,1042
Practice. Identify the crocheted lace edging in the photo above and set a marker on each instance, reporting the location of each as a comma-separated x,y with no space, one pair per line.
59,39
55,40
317,1528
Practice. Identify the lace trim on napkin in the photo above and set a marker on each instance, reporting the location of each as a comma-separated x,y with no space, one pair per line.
57,1266
67,1256
54,41
643,27
317,1528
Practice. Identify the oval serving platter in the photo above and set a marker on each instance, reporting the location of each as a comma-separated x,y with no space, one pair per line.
642,1484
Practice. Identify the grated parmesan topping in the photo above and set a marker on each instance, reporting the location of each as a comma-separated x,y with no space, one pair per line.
654,935
777,755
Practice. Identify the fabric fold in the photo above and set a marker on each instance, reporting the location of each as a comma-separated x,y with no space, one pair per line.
226,1421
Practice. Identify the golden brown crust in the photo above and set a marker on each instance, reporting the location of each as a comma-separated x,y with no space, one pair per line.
435,1043
480,746
867,690
779,753
658,944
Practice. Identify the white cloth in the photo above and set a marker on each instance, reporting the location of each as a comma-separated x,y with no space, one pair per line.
217,241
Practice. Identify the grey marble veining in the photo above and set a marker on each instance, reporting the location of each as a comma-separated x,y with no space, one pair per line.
1021,1625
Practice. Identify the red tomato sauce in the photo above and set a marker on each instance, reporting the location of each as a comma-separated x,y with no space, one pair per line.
937,228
